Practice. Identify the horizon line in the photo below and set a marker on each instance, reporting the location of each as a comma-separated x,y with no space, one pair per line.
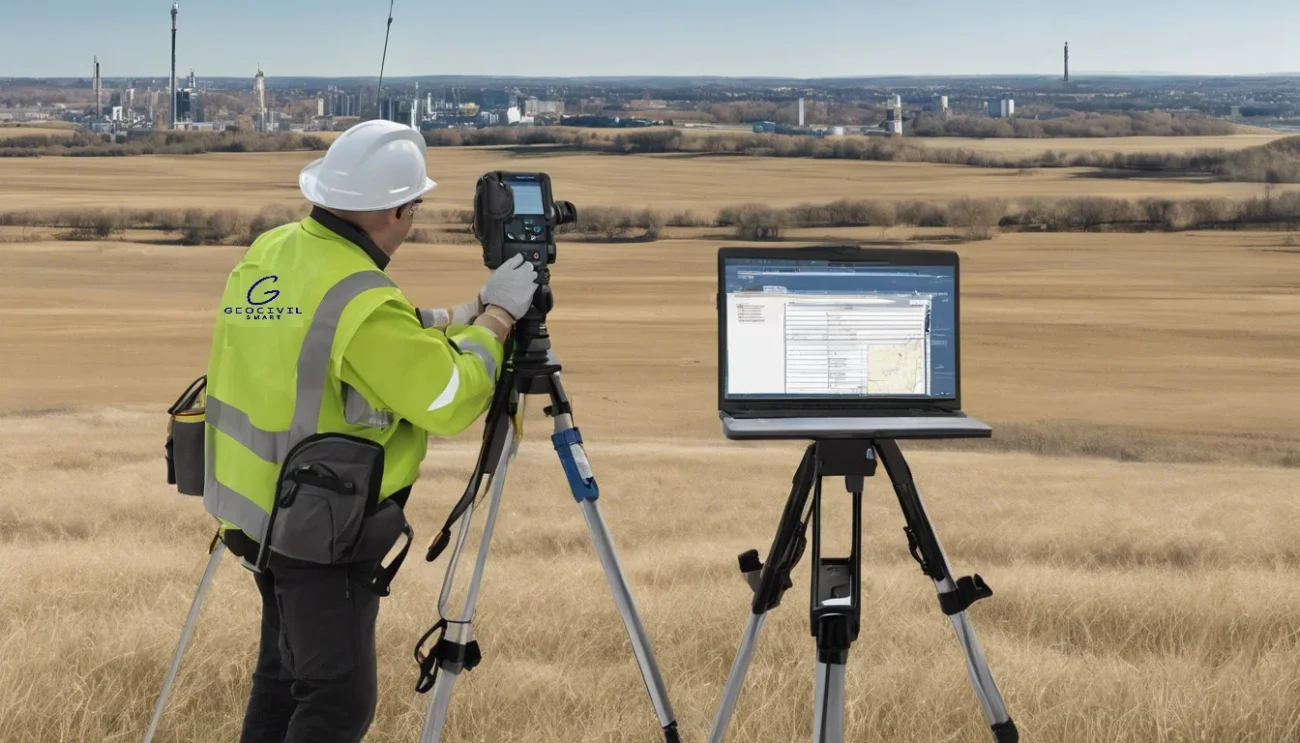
1074,75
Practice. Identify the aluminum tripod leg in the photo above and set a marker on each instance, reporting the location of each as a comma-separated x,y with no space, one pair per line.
954,595
217,551
568,444
828,704
460,629
739,667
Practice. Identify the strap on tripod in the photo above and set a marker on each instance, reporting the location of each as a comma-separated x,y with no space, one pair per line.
771,580
468,656
496,412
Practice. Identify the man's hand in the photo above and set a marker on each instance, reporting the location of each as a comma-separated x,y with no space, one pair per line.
511,287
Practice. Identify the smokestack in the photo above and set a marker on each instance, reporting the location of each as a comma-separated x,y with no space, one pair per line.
800,112
1067,61
99,91
176,8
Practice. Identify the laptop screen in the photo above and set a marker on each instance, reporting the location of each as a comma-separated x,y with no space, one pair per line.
805,329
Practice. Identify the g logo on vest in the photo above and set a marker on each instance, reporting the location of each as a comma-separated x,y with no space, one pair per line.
259,295
272,292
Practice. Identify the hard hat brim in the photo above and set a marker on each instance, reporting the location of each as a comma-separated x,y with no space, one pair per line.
310,185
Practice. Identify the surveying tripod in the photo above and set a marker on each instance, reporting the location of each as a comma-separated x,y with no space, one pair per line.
836,583
530,369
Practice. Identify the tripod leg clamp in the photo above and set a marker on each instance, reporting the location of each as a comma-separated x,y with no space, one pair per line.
443,652
752,568
969,590
582,481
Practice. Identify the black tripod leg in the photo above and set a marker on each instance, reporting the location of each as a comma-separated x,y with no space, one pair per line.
955,596
835,618
769,581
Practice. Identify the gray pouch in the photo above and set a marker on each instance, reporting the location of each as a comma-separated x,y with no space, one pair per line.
184,449
326,509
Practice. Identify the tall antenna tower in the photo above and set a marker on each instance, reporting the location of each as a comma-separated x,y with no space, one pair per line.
99,91
379,89
176,8
1067,61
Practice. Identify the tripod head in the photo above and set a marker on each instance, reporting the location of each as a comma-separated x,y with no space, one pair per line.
528,354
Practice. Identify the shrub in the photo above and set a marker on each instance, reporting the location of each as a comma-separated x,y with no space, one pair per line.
976,217
754,221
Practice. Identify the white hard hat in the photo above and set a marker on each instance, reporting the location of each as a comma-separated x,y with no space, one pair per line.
374,165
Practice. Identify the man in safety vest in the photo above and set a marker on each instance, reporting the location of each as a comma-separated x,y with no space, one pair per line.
315,343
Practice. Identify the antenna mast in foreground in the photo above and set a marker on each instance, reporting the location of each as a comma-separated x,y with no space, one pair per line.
379,91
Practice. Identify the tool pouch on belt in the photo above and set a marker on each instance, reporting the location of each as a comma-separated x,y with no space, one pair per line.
185,439
326,509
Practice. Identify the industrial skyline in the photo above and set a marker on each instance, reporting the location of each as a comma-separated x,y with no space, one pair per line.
680,38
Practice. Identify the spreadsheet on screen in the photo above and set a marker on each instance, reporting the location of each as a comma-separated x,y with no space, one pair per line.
830,329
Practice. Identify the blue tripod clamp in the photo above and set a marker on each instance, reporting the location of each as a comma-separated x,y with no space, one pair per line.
582,481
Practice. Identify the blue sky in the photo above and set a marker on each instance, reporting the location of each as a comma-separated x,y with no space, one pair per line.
798,38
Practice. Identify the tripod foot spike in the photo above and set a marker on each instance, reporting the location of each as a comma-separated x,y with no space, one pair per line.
670,734
1006,732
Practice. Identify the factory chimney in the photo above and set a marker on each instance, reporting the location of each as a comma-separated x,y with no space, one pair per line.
176,8
259,87
99,91
1067,61
800,112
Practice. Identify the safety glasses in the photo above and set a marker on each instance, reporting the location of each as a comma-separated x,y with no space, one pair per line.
412,208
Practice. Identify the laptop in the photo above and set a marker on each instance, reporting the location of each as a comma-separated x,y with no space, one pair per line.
840,342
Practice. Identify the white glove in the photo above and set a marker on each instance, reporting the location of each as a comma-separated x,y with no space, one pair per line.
462,314
511,287
465,312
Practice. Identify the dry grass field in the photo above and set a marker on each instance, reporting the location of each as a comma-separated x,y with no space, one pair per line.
38,128
671,182
1134,512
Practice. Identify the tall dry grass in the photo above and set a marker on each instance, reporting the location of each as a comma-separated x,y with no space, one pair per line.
1132,602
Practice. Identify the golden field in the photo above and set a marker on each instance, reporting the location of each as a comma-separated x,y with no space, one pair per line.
38,128
1133,512
670,183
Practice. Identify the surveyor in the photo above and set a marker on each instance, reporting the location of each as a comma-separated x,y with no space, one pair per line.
314,342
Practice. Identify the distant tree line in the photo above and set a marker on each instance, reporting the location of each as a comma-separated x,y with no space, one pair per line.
83,143
972,218
1080,125
1275,162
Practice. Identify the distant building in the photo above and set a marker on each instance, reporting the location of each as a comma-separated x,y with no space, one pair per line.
894,116
497,99
1002,109
534,107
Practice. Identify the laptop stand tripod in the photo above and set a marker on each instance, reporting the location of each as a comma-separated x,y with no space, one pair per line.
531,369
836,584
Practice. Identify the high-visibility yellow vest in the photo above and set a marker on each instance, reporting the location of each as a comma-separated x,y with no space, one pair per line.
288,312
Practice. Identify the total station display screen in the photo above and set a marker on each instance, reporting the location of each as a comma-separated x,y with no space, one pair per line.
528,198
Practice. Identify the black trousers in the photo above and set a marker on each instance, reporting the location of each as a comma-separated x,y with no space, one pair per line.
315,679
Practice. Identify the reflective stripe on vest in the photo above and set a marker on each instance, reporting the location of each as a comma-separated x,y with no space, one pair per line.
223,501
481,352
